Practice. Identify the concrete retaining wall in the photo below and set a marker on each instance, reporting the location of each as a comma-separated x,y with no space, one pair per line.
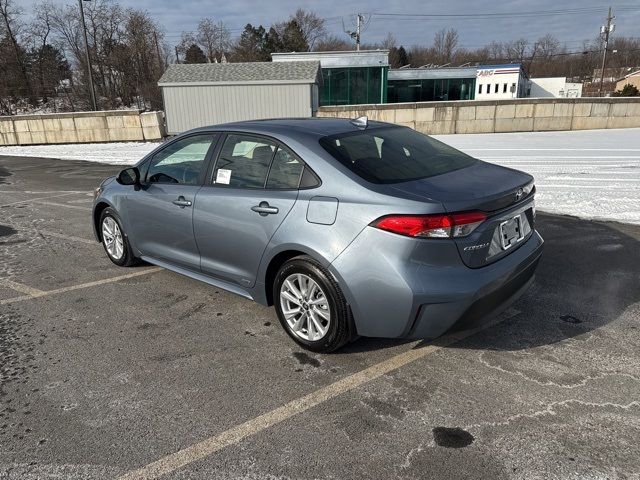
82,127
518,115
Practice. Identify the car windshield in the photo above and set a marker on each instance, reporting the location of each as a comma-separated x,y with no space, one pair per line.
394,154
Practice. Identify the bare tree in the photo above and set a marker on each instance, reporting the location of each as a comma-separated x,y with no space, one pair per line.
11,26
444,44
214,38
516,50
389,42
39,32
65,22
311,25
332,43
186,40
142,58
547,46
495,50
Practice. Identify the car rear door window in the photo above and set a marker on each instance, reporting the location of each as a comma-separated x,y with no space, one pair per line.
244,161
394,154
181,161
286,170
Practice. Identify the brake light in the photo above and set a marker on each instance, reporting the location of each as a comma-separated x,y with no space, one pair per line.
451,225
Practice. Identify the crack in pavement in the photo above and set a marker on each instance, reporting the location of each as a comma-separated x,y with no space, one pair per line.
550,410
551,383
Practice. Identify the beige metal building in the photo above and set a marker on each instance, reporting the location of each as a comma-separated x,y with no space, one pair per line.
632,78
196,95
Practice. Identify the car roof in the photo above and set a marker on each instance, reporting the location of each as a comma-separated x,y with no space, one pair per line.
314,127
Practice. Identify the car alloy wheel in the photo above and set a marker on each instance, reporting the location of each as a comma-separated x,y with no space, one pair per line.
112,238
305,307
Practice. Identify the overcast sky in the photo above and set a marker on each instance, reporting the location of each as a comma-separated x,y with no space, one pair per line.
572,28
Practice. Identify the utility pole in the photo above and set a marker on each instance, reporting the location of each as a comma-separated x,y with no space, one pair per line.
356,35
360,18
605,31
160,62
177,57
88,58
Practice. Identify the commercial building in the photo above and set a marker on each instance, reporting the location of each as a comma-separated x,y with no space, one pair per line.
296,84
361,77
431,84
555,87
348,78
501,82
204,94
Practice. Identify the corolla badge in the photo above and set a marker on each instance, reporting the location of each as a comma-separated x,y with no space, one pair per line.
476,247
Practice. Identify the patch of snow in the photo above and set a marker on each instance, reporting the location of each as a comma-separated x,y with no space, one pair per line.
592,174
120,153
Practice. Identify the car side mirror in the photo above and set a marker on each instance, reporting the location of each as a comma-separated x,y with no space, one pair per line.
129,176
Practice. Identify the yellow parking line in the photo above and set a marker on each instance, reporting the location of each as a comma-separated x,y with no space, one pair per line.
71,288
203,449
19,287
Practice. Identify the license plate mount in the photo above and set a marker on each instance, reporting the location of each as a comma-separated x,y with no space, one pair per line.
511,232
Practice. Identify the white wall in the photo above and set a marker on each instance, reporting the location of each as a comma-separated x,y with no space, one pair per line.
489,78
195,106
555,87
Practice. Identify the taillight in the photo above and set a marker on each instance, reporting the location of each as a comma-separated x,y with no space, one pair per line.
452,225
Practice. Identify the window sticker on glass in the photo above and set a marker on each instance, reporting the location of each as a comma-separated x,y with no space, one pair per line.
223,176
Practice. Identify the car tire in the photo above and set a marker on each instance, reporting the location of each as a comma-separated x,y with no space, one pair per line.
114,239
318,319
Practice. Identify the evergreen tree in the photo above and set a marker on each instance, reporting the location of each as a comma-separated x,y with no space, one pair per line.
403,58
292,38
627,91
195,55
251,45
272,42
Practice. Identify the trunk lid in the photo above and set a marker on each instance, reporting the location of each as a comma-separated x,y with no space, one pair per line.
504,194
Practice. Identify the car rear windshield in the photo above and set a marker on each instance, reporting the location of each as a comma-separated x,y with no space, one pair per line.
394,154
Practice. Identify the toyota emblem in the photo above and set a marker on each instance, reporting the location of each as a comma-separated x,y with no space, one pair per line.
519,194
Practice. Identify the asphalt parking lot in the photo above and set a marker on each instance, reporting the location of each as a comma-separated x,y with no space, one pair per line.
108,372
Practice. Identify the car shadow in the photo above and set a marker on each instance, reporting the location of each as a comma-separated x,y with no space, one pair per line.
588,276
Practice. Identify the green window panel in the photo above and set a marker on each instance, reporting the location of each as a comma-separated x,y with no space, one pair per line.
353,86
429,90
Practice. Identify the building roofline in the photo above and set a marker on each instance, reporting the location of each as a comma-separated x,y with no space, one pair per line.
305,72
501,65
201,83
358,52
629,75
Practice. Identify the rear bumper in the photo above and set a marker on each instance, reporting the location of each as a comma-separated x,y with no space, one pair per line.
433,320
407,290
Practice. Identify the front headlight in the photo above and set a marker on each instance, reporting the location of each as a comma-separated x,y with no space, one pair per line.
96,192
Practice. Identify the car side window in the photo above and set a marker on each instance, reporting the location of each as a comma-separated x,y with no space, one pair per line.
244,161
181,162
286,170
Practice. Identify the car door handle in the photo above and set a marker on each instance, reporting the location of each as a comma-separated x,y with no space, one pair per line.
182,202
265,209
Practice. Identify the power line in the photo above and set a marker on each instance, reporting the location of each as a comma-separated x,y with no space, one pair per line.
475,16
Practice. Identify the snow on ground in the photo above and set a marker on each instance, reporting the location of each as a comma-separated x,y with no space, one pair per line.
122,153
591,174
